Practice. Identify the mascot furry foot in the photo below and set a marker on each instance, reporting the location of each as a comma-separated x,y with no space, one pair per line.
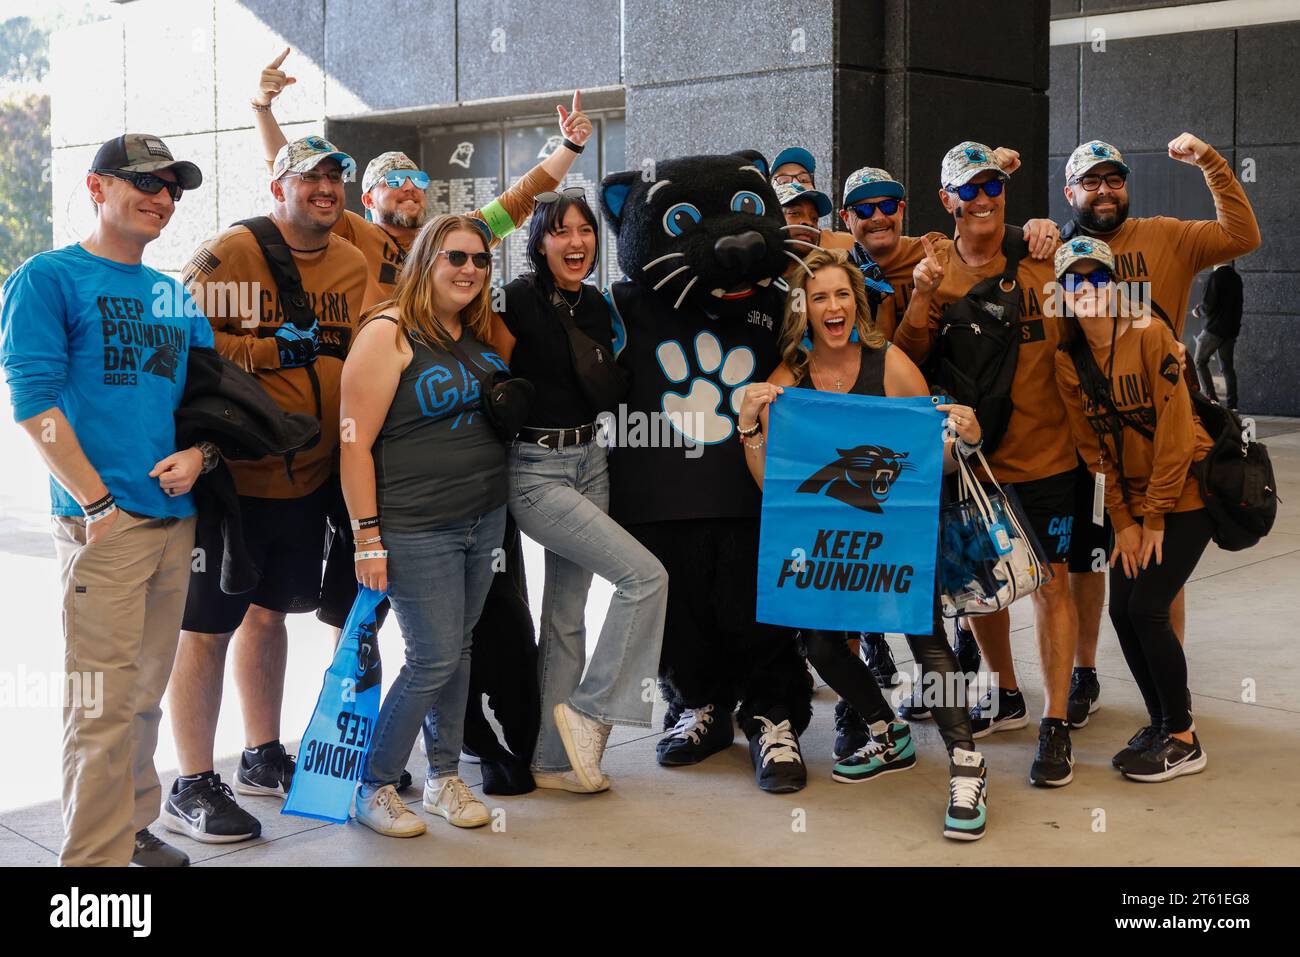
703,244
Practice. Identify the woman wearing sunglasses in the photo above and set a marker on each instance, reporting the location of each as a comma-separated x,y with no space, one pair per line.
424,476
832,346
1132,418
556,332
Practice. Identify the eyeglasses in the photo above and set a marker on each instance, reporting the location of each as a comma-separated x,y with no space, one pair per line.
1071,281
968,191
316,177
395,178
457,258
553,195
782,178
1092,181
145,182
866,210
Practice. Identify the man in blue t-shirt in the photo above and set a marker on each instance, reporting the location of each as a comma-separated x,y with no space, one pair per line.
94,346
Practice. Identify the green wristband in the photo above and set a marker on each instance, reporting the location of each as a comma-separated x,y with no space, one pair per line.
498,220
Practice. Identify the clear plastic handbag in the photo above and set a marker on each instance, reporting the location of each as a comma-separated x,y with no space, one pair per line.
988,554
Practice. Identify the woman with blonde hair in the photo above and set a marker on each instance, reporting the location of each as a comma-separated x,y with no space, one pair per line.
424,476
828,342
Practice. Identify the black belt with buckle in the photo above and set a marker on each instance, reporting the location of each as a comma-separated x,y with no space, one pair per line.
559,438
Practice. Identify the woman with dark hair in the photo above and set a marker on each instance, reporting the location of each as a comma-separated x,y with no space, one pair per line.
830,344
1132,419
424,477
553,328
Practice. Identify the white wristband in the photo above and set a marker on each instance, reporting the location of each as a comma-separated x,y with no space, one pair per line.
362,556
100,516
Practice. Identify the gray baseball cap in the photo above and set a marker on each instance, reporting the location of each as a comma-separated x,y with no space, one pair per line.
144,153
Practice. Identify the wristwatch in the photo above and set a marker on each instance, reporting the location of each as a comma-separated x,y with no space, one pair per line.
211,455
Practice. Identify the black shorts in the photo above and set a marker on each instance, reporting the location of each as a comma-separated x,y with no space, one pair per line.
285,538
1090,543
1048,505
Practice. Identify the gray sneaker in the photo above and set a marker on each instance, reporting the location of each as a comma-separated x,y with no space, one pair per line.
152,852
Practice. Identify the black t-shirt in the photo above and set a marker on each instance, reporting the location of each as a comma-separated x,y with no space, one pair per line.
542,354
688,365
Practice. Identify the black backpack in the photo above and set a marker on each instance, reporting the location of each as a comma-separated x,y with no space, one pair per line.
1235,477
979,343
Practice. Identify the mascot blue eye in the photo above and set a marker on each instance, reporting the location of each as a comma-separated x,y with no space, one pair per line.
747,202
680,218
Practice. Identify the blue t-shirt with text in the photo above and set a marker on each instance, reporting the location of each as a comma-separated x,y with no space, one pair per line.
107,344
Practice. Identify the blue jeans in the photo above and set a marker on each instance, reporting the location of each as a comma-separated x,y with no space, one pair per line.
437,582
560,498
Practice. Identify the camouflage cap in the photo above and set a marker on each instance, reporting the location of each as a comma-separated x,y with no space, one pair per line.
1090,154
143,153
965,161
307,153
869,182
385,163
787,193
1073,250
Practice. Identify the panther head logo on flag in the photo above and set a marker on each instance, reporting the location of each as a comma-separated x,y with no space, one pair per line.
861,476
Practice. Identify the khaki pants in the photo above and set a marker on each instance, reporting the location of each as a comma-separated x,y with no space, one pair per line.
122,603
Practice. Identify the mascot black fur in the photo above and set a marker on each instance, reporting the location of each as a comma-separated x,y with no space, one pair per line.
702,243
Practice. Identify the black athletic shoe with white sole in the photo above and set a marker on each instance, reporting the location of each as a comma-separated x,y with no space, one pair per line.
778,762
1085,690
206,811
967,796
1167,759
265,773
1006,712
698,734
152,852
879,658
1054,764
851,730
1144,740
914,708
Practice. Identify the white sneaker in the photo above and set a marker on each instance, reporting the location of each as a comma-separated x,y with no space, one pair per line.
584,741
383,811
451,798
566,781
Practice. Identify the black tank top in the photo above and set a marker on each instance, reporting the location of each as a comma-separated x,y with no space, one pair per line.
437,459
871,373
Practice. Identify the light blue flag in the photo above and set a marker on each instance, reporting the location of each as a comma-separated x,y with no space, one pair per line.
850,512
334,747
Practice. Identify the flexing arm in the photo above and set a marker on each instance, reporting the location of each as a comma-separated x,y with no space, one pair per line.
1234,231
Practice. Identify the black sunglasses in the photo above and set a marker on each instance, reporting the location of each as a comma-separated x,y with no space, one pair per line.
145,182
457,258
553,195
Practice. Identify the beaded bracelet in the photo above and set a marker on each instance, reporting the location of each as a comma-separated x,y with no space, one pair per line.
362,556
749,432
368,541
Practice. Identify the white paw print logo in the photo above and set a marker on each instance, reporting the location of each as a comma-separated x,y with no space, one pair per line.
697,415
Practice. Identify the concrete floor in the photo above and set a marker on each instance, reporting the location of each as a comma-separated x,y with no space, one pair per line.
1245,678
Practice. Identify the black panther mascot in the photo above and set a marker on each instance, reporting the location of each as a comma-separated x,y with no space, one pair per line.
702,242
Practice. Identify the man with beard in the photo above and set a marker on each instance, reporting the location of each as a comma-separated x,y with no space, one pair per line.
394,187
1165,254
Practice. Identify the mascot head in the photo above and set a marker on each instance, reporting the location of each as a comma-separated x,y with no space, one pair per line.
862,477
703,230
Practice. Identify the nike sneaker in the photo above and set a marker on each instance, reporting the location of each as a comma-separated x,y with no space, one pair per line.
890,749
206,811
1085,690
1054,764
968,785
1167,759
998,710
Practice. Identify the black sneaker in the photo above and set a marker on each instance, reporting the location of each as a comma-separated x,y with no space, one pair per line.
404,781
914,708
1085,690
967,651
851,730
968,786
1167,759
699,733
265,774
207,812
1144,740
151,852
879,658
1054,764
1006,712
778,762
